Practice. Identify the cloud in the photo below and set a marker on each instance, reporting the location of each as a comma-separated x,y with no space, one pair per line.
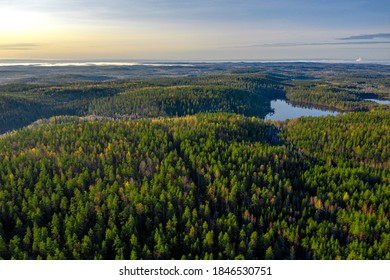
368,37
19,47
314,44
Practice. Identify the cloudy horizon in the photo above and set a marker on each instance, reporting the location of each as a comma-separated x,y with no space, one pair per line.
194,30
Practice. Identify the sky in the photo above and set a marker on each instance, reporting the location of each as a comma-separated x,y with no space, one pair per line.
195,30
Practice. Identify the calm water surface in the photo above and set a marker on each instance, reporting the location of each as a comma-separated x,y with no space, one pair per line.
384,102
284,111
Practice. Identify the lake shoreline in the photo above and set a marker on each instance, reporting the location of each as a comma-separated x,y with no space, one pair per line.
284,110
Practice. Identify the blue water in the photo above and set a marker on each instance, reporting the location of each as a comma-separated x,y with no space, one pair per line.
284,111
384,102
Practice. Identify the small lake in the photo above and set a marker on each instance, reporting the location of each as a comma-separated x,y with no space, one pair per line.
284,111
384,102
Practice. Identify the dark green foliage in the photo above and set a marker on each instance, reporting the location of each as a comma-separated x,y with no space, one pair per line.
250,95
204,186
21,105
348,182
341,95
180,101
362,138
96,185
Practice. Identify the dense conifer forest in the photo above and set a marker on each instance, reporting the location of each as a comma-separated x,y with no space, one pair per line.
20,105
186,168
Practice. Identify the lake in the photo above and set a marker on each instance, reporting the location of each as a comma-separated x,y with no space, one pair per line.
284,111
384,102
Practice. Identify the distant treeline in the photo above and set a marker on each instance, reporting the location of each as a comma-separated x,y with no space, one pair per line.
242,92
343,96
21,105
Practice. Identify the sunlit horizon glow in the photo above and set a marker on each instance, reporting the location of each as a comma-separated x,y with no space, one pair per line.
194,30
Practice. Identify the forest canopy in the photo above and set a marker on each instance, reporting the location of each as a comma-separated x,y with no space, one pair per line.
186,167
210,186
